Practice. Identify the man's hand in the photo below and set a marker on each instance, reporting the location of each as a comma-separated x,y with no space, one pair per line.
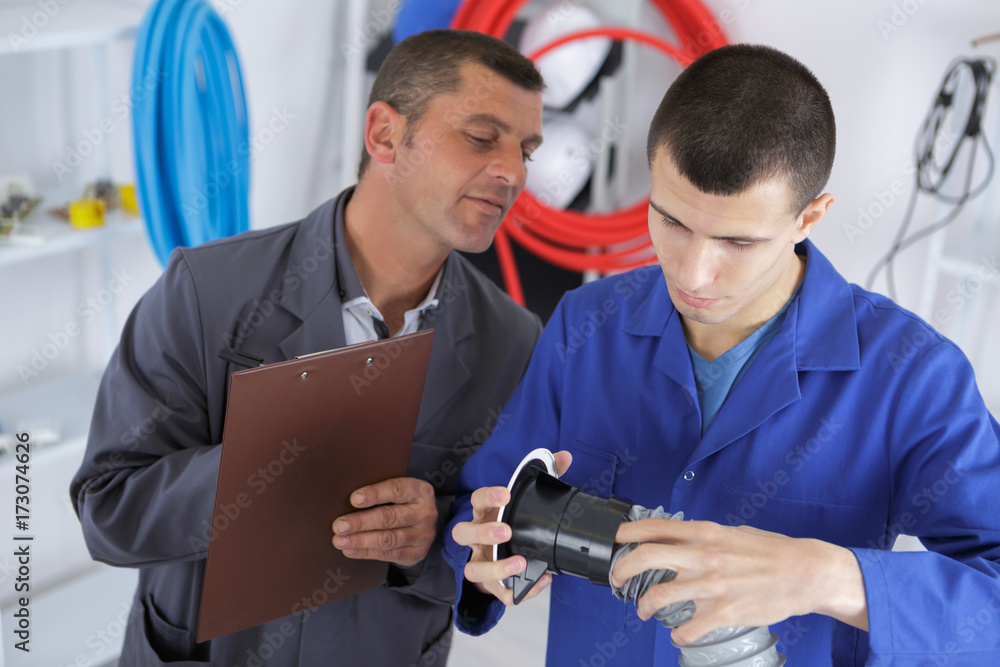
399,527
484,531
741,576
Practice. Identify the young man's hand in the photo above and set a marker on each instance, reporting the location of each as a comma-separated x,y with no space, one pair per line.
741,576
484,531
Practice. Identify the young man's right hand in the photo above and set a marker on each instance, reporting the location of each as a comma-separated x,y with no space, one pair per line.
484,531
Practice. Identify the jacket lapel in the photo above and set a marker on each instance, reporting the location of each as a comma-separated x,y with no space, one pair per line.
452,322
317,304
322,329
671,357
315,298
819,334
772,383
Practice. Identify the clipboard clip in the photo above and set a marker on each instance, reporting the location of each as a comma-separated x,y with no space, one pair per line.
240,359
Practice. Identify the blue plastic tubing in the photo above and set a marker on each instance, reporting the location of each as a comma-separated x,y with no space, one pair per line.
190,130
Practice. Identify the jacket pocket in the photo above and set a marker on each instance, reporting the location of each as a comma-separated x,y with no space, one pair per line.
593,472
436,653
151,640
830,520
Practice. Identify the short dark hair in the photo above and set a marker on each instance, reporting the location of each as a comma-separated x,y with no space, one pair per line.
744,114
429,63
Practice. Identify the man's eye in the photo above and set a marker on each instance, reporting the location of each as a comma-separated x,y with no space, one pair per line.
740,246
479,141
669,222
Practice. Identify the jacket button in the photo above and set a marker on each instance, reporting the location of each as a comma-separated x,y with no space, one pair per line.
689,475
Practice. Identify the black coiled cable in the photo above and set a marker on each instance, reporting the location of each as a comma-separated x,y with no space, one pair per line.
931,172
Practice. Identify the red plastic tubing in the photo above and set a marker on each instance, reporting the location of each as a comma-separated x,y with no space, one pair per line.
570,239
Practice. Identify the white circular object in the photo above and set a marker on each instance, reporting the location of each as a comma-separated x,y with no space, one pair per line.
570,68
560,167
541,455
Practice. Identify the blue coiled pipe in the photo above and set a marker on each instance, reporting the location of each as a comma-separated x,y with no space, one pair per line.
190,129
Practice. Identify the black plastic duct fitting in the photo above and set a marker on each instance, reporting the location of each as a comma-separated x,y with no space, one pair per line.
559,528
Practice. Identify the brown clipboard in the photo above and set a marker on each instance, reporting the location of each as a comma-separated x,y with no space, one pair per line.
299,437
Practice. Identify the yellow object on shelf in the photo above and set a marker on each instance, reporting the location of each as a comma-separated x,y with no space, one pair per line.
86,213
126,197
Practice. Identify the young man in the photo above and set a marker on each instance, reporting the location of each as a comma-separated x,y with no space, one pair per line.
799,422
452,119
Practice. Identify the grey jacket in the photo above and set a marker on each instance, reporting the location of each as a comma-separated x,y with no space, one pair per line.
145,490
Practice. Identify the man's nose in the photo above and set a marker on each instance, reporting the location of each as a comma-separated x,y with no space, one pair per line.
697,266
508,167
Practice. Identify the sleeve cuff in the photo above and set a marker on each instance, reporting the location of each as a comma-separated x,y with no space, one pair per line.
475,612
880,630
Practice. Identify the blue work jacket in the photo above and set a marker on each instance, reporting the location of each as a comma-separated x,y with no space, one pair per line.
856,423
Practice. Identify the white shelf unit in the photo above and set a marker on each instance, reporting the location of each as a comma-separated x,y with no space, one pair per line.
63,24
78,606
44,235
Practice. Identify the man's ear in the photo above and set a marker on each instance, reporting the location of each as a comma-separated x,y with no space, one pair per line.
384,127
811,215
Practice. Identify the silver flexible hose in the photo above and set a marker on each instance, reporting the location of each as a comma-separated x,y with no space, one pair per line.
731,647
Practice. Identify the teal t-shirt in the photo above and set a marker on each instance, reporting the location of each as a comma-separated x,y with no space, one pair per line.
715,379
